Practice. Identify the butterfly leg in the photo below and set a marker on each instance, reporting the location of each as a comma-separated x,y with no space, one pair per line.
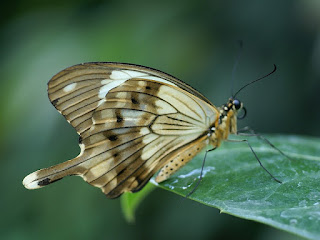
256,156
242,132
201,173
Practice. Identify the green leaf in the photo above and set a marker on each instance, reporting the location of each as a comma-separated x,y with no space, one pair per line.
234,182
130,202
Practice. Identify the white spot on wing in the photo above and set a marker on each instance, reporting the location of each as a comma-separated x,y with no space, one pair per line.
106,88
70,87
30,181
119,75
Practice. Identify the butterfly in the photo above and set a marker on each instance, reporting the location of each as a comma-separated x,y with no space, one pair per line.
133,121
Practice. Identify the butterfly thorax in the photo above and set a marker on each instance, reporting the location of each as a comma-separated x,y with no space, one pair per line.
226,123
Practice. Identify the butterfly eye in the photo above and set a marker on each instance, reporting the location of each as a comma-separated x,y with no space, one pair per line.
237,104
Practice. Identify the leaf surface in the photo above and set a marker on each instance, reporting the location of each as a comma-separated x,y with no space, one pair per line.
234,182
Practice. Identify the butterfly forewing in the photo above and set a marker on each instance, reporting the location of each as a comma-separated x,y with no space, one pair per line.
132,121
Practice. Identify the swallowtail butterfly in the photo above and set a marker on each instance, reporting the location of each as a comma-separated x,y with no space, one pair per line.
133,121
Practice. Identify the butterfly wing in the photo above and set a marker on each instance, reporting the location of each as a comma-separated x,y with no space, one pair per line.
78,90
132,120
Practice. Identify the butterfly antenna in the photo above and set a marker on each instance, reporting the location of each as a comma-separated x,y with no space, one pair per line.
236,63
275,68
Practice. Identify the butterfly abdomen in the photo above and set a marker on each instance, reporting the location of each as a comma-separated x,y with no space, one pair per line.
181,157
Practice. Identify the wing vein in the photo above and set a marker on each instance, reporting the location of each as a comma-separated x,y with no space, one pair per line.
147,160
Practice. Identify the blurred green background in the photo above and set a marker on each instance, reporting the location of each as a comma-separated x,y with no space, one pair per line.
195,41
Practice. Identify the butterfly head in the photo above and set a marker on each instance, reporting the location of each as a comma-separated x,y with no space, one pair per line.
232,108
237,106
228,116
